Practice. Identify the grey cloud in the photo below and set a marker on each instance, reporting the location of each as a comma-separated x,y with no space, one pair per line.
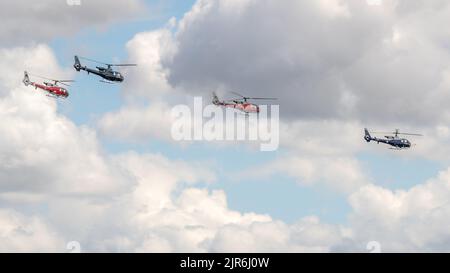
26,21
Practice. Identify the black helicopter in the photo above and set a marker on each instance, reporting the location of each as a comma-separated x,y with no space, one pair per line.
106,73
394,141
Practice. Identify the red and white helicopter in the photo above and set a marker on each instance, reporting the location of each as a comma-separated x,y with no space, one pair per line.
240,104
52,89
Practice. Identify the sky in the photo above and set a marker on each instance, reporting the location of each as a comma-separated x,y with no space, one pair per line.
102,169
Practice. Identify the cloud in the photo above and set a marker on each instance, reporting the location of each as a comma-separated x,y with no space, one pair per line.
404,220
138,123
19,233
343,174
146,113
193,220
318,152
148,49
24,21
197,220
308,235
39,143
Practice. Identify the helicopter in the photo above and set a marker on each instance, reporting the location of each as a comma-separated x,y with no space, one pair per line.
107,73
240,103
53,89
395,141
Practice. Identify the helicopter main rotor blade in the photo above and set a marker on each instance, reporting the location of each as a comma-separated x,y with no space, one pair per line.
408,134
63,82
45,78
238,94
95,61
397,133
53,80
92,60
380,132
248,98
123,64
262,98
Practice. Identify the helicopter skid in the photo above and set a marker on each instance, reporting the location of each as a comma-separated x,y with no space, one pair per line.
56,97
105,81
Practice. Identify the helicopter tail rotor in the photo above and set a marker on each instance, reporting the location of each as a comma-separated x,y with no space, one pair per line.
77,64
215,100
26,79
367,135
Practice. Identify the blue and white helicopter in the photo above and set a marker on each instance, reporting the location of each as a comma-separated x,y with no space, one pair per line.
394,140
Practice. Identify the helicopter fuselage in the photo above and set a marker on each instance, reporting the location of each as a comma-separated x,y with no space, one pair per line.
241,106
398,143
105,73
52,90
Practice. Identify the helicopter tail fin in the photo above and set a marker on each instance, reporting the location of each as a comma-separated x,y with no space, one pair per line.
215,100
77,64
367,135
26,79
